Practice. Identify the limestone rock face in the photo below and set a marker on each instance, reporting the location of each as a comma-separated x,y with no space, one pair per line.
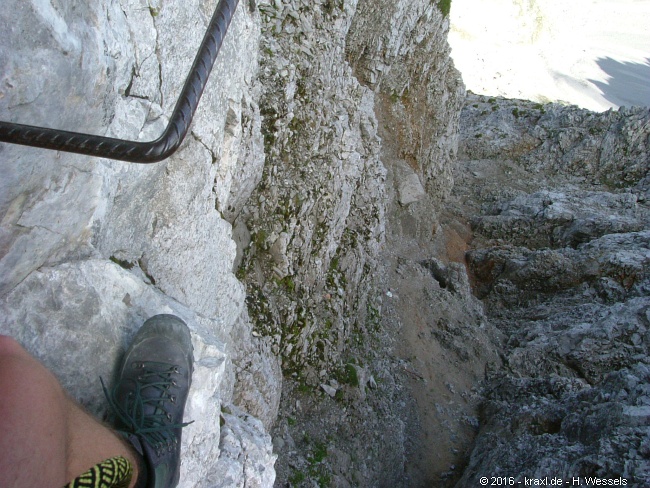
400,50
608,149
561,261
263,231
90,248
557,219
327,133
243,436
316,218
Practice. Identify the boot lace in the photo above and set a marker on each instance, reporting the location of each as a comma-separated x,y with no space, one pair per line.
146,415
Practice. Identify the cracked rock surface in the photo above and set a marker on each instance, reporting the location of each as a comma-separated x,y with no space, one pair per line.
556,197
92,247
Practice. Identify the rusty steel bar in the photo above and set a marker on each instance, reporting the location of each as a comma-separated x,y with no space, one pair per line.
134,151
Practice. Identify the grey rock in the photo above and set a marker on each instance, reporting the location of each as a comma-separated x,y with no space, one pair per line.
246,454
258,376
620,258
608,148
316,216
67,221
330,390
561,219
413,69
409,188
562,265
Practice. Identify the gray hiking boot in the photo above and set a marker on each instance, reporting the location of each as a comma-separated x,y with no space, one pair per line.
149,396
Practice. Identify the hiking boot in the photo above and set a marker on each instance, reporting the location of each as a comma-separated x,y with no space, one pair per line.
149,397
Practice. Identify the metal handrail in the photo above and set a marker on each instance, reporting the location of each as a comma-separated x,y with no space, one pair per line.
134,151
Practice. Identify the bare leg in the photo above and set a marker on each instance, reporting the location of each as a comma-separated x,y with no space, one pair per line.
46,439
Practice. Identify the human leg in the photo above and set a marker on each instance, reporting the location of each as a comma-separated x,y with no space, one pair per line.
46,439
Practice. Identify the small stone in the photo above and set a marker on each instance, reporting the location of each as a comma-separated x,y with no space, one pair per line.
410,190
329,390
278,443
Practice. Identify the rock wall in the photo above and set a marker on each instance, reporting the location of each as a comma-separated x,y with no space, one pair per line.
314,225
316,219
91,247
353,93
400,51
557,197
313,211
273,208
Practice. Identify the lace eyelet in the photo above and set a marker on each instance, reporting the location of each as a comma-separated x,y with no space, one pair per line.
172,398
